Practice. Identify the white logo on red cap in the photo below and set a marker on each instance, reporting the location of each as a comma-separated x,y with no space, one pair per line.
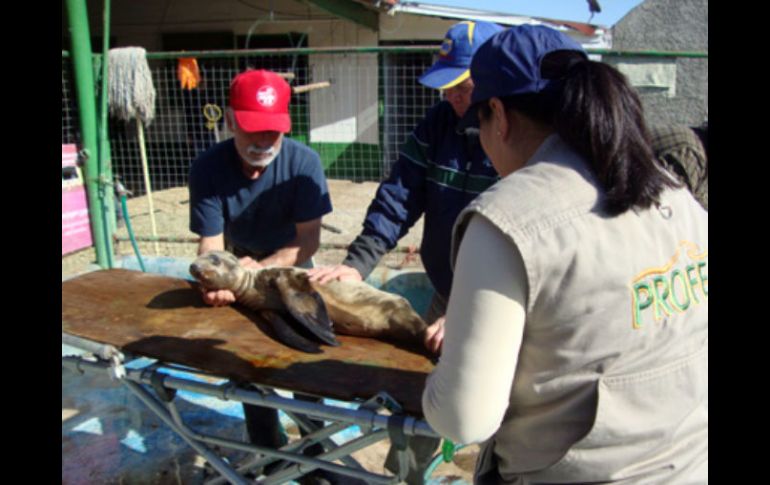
266,96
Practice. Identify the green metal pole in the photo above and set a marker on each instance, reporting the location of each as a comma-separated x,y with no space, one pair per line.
105,163
84,85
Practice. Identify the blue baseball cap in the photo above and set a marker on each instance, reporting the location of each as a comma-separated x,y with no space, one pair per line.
509,62
454,62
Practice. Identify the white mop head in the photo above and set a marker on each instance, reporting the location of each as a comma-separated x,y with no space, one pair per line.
131,92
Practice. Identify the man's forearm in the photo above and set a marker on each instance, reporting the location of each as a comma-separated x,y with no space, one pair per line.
364,253
296,252
211,243
286,256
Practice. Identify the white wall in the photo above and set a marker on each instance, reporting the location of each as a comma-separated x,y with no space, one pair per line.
413,27
346,112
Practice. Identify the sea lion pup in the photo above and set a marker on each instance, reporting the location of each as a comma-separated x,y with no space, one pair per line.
356,308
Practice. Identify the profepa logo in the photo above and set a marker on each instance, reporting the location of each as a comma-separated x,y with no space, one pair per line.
266,96
672,288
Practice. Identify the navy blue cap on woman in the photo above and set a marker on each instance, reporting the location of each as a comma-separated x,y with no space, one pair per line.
547,77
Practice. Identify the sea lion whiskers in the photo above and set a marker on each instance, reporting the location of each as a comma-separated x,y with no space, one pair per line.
220,270
217,270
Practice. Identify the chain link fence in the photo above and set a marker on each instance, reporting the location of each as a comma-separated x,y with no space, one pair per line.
356,123
69,114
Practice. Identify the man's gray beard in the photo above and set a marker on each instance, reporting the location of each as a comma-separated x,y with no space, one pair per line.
262,162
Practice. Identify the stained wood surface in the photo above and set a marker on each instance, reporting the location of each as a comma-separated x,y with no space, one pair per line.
165,318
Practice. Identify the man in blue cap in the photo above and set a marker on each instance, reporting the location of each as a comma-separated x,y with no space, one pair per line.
438,172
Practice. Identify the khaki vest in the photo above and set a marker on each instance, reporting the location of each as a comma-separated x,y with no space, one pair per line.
612,379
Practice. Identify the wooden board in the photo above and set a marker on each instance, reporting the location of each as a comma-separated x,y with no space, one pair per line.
165,318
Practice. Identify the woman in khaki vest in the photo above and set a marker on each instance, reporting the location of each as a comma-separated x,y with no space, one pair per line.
575,346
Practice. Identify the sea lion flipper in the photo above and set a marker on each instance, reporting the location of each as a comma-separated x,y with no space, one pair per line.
307,306
287,335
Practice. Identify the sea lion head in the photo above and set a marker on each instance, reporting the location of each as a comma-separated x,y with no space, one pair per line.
217,270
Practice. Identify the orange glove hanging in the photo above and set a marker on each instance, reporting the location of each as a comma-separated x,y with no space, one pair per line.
187,72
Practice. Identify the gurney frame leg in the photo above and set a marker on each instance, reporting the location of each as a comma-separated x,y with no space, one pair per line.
374,426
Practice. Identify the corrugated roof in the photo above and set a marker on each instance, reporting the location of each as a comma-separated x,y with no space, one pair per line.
381,5
583,28
589,35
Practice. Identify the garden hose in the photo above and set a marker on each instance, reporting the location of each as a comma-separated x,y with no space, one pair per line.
132,98
448,450
122,192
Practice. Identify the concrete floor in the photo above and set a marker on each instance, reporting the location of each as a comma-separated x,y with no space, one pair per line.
171,210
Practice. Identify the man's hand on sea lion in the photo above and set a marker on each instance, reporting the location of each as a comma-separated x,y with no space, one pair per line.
434,335
218,297
339,272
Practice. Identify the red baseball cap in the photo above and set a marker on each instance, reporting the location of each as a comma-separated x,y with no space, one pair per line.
260,101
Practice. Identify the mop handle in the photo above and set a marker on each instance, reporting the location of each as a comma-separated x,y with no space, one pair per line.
146,173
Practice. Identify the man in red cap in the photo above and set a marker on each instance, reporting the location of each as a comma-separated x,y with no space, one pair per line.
261,196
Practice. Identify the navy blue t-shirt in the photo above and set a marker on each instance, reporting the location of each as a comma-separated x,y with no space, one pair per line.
256,215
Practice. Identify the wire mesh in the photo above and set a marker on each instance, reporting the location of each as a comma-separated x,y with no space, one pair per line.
355,124
69,116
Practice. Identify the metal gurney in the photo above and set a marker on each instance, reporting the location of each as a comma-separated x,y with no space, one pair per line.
118,313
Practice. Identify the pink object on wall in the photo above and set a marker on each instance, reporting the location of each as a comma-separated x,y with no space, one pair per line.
75,226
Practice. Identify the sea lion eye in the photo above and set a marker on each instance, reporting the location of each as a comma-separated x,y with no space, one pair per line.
215,260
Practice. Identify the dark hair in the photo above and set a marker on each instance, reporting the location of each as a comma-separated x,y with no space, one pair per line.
599,115
703,135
